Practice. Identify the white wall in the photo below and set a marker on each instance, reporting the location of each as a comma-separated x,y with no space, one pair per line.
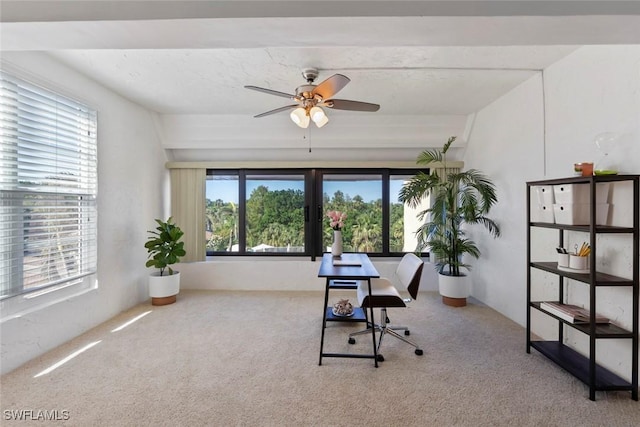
133,190
596,89
507,146
282,274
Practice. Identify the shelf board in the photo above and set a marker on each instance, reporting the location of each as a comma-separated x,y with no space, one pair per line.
358,316
602,279
584,179
603,330
578,366
608,229
343,284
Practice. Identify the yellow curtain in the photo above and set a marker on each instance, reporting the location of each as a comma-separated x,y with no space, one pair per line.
188,210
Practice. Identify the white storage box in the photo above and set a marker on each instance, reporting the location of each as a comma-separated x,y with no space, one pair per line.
579,193
542,213
578,213
544,194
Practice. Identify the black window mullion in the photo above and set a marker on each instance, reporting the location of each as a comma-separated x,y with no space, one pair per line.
310,212
386,214
242,211
317,213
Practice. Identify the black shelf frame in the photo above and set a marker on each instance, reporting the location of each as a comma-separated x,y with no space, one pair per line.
585,368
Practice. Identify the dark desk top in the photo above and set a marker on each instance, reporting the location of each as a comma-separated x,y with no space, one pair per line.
365,270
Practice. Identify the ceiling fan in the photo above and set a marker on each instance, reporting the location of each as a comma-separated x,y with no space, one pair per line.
310,98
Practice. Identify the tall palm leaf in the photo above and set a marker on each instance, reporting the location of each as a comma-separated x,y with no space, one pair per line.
457,199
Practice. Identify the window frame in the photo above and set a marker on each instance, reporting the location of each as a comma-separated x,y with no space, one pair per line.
315,221
242,199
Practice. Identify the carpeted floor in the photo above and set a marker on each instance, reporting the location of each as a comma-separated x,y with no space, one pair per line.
251,359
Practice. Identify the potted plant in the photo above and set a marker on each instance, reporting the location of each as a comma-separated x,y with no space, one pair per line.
164,248
459,198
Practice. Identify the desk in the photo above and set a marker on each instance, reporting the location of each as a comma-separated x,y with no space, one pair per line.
356,266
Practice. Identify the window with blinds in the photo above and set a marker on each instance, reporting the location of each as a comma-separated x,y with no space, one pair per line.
48,188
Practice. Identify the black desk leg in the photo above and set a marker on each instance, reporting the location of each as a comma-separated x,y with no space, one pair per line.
324,319
373,329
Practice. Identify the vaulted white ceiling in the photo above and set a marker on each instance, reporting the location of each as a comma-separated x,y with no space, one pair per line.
429,64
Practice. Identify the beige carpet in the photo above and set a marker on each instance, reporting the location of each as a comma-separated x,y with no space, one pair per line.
251,359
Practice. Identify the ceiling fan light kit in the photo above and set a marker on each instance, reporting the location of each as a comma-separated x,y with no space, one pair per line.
300,117
309,98
323,120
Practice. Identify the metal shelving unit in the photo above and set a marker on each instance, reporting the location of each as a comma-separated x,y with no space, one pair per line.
585,367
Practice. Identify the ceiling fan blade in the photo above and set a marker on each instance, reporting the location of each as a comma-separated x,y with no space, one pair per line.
331,86
277,110
271,92
344,104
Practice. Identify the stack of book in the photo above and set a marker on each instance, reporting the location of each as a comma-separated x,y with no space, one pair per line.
571,313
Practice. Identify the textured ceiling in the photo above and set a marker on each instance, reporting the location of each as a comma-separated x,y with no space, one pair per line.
430,65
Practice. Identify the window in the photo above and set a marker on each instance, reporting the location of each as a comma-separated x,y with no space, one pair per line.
48,186
221,216
274,213
283,211
360,197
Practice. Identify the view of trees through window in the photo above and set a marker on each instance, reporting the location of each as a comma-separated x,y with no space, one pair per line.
275,214
272,213
221,215
360,197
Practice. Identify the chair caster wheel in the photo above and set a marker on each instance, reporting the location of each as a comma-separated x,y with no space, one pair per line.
352,340
418,352
407,332
380,358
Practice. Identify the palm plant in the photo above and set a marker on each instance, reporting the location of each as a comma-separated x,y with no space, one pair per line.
457,199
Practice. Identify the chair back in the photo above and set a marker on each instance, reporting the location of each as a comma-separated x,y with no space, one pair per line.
409,272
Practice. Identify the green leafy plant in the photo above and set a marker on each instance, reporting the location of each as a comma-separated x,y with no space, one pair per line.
164,246
458,198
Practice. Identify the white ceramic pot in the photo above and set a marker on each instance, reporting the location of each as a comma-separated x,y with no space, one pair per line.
454,287
164,287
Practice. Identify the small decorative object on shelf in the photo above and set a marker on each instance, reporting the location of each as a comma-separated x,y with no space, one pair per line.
336,222
343,308
583,169
606,143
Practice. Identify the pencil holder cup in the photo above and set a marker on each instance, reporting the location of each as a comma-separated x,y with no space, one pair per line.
578,262
563,260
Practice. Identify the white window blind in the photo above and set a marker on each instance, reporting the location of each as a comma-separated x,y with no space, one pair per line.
48,188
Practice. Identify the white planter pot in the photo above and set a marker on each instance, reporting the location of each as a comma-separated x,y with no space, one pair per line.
454,289
163,289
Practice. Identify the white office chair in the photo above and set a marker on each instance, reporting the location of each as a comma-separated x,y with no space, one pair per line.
384,294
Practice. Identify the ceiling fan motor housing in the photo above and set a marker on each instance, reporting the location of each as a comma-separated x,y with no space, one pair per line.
310,74
305,93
